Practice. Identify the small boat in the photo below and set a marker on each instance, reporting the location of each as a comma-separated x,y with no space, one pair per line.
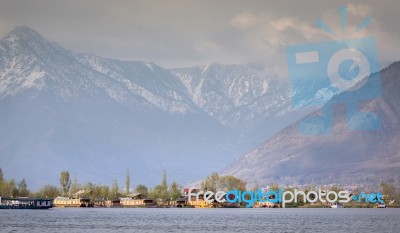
381,205
337,205
25,203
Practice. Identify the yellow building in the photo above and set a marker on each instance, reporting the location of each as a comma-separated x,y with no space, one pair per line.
72,202
200,204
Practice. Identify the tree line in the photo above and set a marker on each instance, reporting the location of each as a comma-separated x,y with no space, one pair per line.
11,188
162,192
216,182
72,188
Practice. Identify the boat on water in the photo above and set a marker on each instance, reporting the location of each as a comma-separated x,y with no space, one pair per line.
25,203
381,205
72,202
337,205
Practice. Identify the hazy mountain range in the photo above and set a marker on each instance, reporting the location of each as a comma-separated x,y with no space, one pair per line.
98,116
345,156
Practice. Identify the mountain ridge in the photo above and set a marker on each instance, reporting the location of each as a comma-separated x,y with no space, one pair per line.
345,156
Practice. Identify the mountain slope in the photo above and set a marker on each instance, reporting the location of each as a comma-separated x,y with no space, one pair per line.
363,157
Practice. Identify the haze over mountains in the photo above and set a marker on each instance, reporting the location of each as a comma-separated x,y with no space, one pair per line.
96,116
345,156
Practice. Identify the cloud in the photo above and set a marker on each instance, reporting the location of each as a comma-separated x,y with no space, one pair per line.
246,20
283,23
359,9
276,31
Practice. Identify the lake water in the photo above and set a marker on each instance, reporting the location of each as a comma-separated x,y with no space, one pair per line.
199,220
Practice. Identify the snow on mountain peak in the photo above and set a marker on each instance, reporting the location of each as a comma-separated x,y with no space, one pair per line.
232,94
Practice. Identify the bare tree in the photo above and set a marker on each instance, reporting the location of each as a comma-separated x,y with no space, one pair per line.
115,189
127,182
142,189
65,182
164,186
1,175
74,186
2,183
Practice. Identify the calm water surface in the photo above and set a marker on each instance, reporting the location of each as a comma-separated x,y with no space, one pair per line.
200,220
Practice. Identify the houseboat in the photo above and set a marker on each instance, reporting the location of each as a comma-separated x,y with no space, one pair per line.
72,202
115,202
25,203
137,200
181,202
196,200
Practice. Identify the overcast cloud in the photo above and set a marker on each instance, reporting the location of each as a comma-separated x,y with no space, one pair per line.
185,33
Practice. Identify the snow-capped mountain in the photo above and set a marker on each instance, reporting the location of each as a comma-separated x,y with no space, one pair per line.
160,88
97,116
31,62
233,94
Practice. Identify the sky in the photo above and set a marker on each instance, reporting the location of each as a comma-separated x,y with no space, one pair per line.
175,33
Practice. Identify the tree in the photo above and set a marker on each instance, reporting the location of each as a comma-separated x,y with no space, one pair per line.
174,191
127,182
211,182
164,186
1,183
216,183
13,188
48,191
93,191
1,176
230,183
388,191
274,187
23,190
75,187
142,189
65,182
96,193
105,191
89,189
156,192
114,189
9,189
